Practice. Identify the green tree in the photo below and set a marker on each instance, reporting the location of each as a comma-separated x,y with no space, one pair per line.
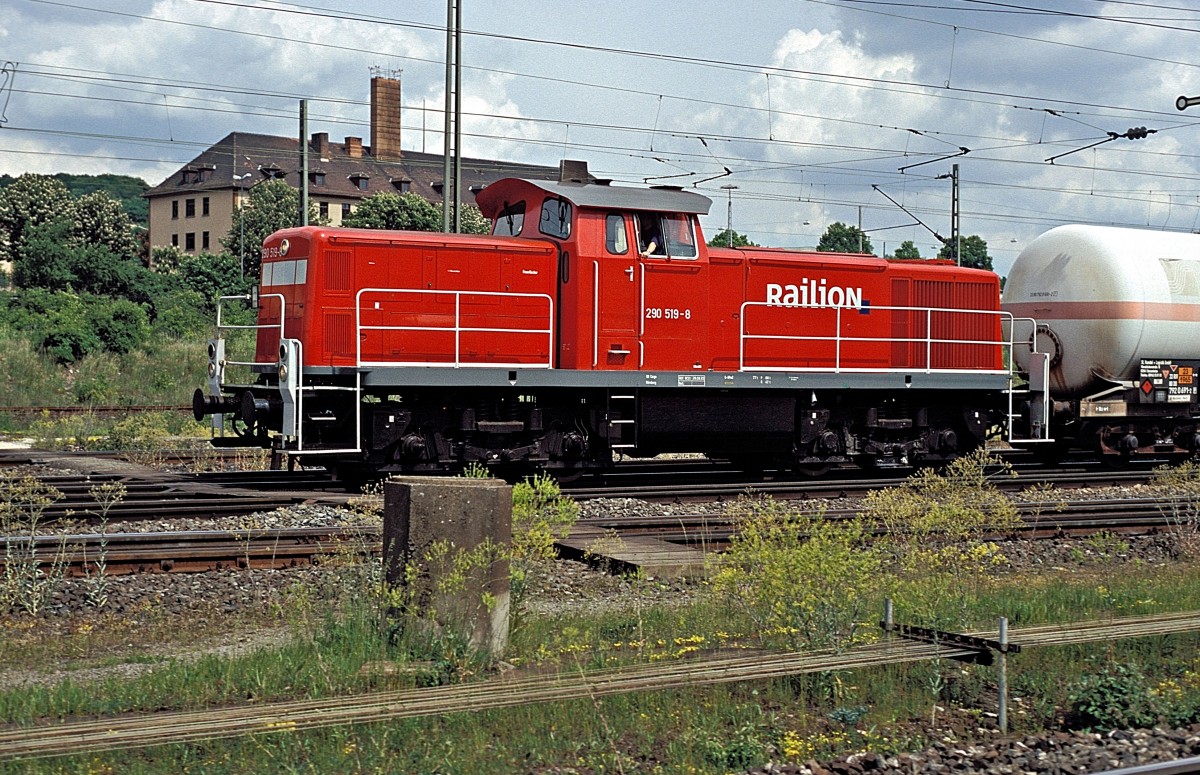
840,238
211,276
43,256
908,250
721,240
272,206
408,212
100,220
30,200
125,189
50,257
473,222
974,252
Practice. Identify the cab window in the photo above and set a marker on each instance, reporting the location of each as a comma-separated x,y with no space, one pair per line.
510,220
668,235
615,239
556,218
681,239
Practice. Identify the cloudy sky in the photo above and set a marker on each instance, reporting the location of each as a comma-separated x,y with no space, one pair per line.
818,109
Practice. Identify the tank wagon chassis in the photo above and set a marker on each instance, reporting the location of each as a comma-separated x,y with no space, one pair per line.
379,418
1153,417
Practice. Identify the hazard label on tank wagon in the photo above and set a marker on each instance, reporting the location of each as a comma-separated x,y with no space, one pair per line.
1172,382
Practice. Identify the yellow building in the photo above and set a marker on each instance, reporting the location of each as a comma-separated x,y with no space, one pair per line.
193,208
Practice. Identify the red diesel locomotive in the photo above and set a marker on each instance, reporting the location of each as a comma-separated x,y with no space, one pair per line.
594,322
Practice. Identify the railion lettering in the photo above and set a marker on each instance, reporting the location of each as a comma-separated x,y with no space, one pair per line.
814,293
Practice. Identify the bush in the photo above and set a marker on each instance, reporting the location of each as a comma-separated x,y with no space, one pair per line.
121,325
801,579
1118,697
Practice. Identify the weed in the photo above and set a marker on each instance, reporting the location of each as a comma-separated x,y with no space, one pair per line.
1179,500
28,582
106,496
801,579
541,515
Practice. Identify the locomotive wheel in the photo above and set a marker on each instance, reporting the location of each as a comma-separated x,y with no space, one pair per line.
1049,454
814,470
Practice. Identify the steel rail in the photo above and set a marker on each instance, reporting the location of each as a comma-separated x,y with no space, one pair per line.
699,490
191,551
111,734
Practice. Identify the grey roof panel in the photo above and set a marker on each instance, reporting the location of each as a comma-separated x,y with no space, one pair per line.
627,198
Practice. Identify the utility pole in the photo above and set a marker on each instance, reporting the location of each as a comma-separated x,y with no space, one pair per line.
860,233
955,235
451,161
303,219
955,241
729,213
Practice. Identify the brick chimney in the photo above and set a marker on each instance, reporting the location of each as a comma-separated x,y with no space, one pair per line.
320,144
354,147
385,118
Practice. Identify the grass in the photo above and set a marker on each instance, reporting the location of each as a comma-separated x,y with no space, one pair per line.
335,642
336,645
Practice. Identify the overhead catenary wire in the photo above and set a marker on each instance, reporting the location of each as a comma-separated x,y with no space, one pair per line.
907,87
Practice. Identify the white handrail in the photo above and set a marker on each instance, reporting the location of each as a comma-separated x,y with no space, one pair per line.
256,326
838,339
458,329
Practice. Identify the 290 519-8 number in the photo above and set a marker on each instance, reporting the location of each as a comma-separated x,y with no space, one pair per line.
667,313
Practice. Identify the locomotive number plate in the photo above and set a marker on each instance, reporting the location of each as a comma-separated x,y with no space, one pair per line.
668,313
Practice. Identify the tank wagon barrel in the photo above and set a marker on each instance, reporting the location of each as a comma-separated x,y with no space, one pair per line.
594,323
1118,314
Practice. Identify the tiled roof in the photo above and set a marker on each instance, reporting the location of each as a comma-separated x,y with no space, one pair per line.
333,170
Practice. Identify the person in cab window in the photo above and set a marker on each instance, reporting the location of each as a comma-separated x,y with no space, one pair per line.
650,239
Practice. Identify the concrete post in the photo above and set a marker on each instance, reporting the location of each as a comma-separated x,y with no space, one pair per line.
423,514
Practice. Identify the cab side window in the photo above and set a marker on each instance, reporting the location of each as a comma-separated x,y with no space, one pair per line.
615,239
510,220
555,219
669,235
681,238
649,233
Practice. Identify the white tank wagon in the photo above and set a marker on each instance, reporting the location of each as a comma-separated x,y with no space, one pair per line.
1118,312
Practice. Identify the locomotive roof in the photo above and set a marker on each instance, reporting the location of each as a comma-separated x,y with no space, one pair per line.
600,194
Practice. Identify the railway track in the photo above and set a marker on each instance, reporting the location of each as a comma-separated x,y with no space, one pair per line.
688,488
1130,516
194,551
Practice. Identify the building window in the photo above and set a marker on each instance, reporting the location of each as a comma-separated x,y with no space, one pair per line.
204,240
189,241
345,210
189,208
402,185
174,209
323,209
175,240
204,207
359,180
316,178
271,171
